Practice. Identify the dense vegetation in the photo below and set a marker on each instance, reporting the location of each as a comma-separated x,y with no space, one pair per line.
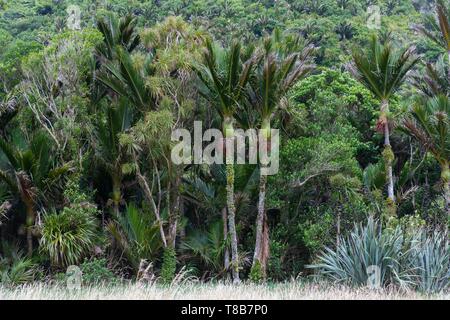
86,116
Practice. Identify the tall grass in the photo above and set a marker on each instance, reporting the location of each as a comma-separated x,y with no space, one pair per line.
293,290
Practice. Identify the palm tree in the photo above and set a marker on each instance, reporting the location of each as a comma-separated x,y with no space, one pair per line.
9,107
30,174
136,234
438,29
434,80
206,189
224,76
117,32
429,123
284,61
345,31
126,80
382,69
109,152
208,245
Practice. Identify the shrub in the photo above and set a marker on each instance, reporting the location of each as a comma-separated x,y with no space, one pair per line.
68,236
96,272
276,260
256,272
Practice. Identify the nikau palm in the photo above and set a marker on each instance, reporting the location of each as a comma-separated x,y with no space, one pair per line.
117,32
382,69
224,76
439,31
109,153
279,68
123,77
429,123
30,174
434,80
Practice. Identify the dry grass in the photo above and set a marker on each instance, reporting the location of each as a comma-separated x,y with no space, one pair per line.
221,291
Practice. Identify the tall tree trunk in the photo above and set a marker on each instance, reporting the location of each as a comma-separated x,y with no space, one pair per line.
448,55
445,178
261,253
29,225
148,193
232,223
338,226
229,136
116,193
388,153
175,213
260,224
226,258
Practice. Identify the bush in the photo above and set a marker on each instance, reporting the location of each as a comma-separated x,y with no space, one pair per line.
68,236
96,272
256,272
276,259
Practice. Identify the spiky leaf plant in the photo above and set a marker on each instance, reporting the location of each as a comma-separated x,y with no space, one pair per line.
366,246
136,235
15,267
68,236
430,262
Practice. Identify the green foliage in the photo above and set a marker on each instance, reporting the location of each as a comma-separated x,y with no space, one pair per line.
224,75
69,236
96,272
278,251
317,232
383,68
98,105
366,246
15,268
256,273
409,257
208,245
428,122
136,235
430,262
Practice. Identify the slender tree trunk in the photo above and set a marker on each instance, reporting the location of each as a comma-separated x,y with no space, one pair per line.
148,193
29,226
226,262
389,165
116,193
338,227
388,154
445,178
229,135
232,223
260,223
448,55
262,233
175,213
